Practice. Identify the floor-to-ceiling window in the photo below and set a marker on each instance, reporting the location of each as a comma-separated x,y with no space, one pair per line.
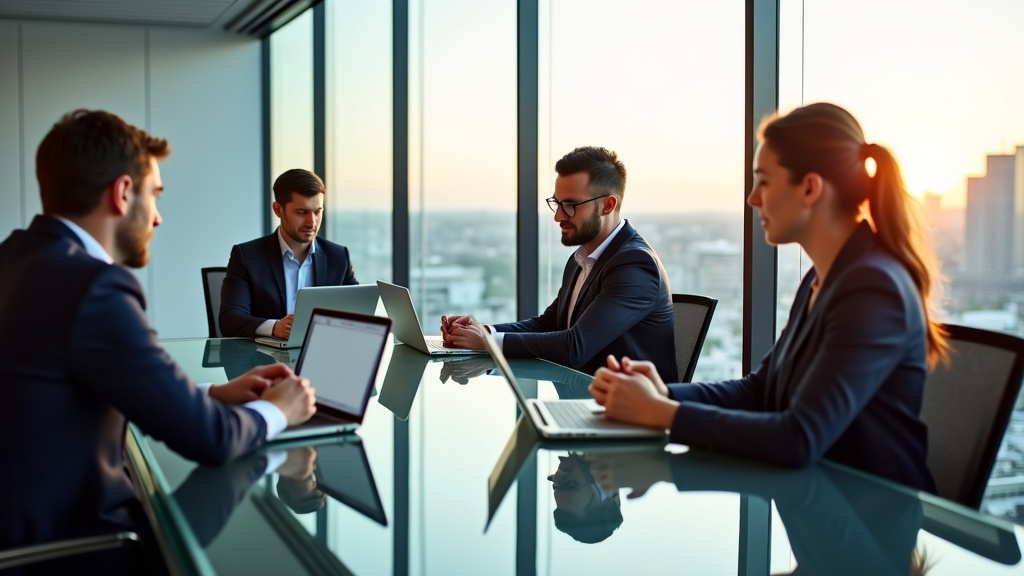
939,83
291,98
359,135
661,84
462,159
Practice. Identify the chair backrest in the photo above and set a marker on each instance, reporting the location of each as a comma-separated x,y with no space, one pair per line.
692,317
967,406
212,279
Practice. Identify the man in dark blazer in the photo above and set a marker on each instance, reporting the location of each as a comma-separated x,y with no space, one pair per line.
265,275
615,297
78,357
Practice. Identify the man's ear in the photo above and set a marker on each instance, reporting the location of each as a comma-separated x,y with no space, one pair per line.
278,210
813,186
610,204
120,194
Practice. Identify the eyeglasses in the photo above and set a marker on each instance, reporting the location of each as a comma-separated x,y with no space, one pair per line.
569,208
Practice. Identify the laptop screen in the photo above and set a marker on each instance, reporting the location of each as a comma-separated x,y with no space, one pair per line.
341,356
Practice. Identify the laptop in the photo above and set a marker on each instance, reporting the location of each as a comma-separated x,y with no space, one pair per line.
568,419
341,358
344,474
398,303
360,298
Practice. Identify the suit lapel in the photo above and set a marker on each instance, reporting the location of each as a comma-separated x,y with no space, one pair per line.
788,347
802,324
569,276
613,247
320,264
276,266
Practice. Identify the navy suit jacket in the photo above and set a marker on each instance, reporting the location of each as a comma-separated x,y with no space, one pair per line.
624,308
77,360
254,290
845,382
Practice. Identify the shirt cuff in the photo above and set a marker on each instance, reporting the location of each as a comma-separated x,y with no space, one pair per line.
267,328
499,339
205,387
272,415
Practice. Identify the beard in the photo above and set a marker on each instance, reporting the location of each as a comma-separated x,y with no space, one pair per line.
132,238
587,231
293,233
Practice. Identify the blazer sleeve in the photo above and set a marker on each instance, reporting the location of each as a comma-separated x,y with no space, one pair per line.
350,271
546,322
744,394
115,353
236,317
864,333
627,293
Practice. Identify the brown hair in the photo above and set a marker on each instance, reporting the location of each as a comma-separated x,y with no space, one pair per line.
607,172
84,153
826,139
298,181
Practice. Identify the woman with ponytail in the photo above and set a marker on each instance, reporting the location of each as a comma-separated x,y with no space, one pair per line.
845,380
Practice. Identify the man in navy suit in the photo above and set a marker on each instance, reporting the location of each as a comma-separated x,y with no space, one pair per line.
614,298
265,275
78,357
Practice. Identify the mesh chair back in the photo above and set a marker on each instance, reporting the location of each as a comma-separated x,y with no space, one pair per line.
967,406
212,279
692,315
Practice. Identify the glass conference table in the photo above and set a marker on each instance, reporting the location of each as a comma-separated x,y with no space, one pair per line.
443,477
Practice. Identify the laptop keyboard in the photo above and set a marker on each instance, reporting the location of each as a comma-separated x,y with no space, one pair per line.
436,344
571,414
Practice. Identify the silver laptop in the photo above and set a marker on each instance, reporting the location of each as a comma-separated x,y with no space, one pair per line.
341,357
557,419
360,298
398,303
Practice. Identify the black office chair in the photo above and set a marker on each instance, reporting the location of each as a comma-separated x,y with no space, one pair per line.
50,551
212,279
967,407
692,317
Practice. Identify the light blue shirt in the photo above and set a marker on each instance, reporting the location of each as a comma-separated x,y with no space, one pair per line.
271,414
296,277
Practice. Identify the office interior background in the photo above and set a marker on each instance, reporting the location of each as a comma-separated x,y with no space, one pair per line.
436,125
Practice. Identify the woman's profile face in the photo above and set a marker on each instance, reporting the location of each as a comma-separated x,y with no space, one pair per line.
778,201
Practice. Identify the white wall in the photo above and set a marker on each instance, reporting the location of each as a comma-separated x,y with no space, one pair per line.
199,89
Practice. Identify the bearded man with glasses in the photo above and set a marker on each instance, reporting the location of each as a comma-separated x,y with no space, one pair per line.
615,297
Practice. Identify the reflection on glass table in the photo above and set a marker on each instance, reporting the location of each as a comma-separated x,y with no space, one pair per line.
837,520
421,507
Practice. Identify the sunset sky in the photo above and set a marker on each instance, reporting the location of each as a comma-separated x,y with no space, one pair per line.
661,83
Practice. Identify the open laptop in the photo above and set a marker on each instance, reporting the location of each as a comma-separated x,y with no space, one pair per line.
557,419
360,298
398,303
341,357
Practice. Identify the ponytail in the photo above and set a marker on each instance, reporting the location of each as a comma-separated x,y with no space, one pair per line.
899,226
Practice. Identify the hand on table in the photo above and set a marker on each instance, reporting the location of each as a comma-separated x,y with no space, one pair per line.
251,385
295,397
465,333
283,327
